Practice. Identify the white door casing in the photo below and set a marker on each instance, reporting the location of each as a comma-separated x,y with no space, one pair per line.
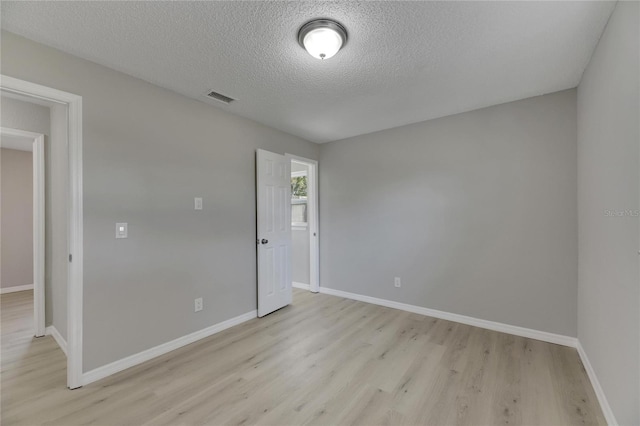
312,219
75,216
273,185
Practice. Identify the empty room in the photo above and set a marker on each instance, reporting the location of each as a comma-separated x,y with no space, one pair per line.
320,213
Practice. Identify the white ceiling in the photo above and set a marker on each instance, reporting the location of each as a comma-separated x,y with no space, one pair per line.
404,62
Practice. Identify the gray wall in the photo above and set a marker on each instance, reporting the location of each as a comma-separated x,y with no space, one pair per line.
300,244
608,184
56,222
22,115
16,211
147,153
300,255
51,122
476,213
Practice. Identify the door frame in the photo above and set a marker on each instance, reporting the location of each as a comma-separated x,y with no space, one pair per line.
75,215
37,154
312,219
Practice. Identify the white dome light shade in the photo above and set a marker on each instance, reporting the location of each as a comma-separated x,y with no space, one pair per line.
322,38
322,43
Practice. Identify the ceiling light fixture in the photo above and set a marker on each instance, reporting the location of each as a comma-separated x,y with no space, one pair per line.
322,38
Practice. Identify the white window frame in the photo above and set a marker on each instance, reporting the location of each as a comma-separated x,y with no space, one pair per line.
301,226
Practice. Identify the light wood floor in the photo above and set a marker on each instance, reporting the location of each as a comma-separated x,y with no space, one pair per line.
323,360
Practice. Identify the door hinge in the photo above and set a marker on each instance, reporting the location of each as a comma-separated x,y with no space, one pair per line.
70,257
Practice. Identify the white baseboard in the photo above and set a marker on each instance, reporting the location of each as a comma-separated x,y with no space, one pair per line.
558,339
140,357
602,399
15,288
53,332
301,286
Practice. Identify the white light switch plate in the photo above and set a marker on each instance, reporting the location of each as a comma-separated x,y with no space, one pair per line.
121,230
198,203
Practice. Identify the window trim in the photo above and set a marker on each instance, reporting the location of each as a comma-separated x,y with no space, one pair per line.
300,226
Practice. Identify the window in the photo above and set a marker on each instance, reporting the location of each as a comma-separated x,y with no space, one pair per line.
299,199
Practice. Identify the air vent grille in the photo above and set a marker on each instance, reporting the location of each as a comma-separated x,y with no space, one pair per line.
220,97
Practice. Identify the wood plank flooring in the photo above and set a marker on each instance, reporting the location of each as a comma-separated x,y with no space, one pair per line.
323,360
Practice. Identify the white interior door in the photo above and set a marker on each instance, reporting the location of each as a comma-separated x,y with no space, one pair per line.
274,231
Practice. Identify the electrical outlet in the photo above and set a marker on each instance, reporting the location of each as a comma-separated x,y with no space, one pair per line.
197,305
396,282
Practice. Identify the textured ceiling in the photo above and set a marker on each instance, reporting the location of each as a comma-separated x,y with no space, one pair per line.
404,62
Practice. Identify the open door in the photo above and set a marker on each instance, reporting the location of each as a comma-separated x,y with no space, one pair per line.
273,182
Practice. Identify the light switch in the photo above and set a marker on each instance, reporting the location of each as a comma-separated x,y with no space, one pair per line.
121,230
198,203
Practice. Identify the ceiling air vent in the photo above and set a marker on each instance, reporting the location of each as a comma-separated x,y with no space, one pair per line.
220,97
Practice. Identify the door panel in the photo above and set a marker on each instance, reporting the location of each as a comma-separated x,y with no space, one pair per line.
274,231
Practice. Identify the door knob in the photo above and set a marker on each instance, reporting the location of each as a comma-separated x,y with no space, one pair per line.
264,241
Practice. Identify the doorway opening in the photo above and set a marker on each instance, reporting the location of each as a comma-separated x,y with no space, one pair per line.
23,213
63,254
304,223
